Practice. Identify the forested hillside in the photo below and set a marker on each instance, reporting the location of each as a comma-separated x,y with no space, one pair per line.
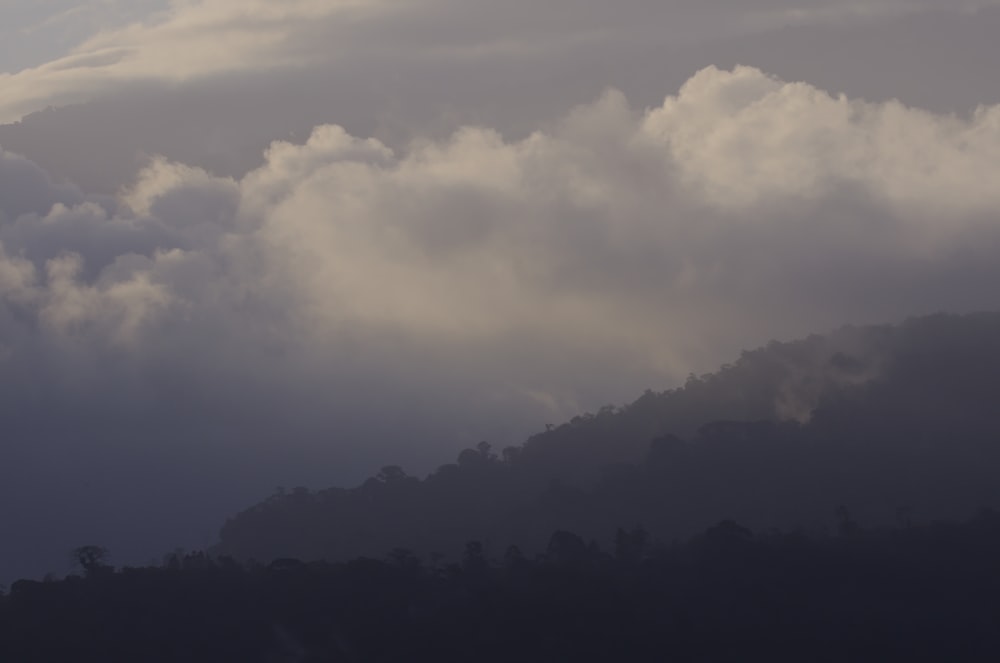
886,424
906,593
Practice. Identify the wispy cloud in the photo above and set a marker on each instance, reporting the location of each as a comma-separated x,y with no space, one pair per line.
195,40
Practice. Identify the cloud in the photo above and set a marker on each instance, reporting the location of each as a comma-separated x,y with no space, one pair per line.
198,40
24,187
403,71
741,138
190,40
346,303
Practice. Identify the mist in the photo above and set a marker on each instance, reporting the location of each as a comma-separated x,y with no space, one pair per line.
300,257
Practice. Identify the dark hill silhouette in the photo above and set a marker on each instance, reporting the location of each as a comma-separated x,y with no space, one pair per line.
902,593
880,424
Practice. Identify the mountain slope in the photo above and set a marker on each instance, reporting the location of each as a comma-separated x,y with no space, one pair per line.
879,424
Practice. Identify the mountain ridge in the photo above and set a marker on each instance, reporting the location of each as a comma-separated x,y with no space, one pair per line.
886,421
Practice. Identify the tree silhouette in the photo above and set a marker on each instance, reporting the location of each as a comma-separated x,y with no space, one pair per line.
91,559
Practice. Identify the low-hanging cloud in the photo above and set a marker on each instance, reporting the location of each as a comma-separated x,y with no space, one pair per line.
346,304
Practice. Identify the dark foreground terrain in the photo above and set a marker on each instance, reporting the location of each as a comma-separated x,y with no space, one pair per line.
851,461
908,593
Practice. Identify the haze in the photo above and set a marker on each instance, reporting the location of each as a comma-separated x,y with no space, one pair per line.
246,244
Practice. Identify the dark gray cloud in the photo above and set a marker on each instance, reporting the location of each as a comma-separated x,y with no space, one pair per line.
25,188
176,351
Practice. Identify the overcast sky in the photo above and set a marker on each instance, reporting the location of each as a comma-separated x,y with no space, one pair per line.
246,244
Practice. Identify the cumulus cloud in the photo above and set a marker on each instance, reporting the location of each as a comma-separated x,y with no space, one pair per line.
350,302
398,71
614,226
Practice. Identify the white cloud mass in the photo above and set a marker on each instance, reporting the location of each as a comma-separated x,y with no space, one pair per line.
619,231
347,302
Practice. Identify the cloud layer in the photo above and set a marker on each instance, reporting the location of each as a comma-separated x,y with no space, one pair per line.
346,304
211,84
200,39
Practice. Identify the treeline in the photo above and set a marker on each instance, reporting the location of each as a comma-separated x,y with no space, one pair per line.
907,593
897,423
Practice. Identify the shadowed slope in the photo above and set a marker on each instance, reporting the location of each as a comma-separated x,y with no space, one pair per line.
886,423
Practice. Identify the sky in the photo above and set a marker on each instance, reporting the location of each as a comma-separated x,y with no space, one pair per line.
246,244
